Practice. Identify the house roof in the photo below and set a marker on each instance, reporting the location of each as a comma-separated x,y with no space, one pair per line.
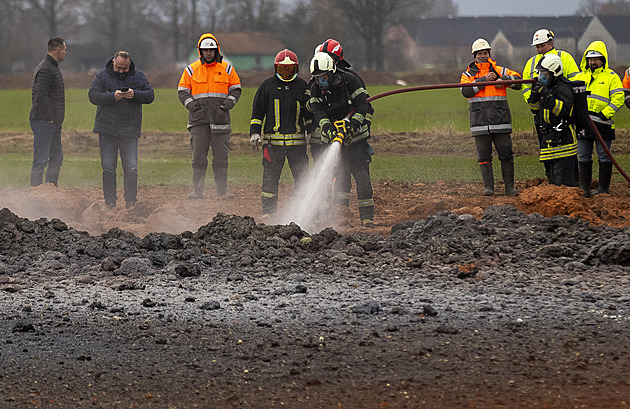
462,31
617,26
254,43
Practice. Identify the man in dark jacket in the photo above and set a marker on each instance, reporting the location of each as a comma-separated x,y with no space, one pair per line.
119,90
47,114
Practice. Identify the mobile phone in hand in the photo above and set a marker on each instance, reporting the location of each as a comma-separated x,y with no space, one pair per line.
124,89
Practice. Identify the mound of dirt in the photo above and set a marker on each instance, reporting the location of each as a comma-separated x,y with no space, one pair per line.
511,310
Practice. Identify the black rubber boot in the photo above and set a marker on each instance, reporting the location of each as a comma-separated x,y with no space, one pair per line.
507,170
199,178
487,175
586,176
605,174
220,180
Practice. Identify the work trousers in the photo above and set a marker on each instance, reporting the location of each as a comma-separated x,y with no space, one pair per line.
201,140
298,163
502,143
355,161
111,147
47,152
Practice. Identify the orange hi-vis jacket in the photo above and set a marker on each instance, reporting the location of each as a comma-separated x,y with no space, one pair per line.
626,86
212,87
489,110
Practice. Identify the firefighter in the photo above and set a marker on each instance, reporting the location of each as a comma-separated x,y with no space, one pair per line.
543,41
490,117
605,98
339,96
279,114
334,49
551,100
342,182
209,88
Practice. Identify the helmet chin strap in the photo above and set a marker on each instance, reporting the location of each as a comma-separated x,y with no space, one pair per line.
289,80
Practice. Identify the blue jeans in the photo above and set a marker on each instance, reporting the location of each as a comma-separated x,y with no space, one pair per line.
47,152
128,148
585,150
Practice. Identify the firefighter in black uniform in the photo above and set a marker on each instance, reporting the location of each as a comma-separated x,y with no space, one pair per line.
337,95
280,103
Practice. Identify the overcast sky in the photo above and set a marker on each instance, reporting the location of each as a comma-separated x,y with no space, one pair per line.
517,7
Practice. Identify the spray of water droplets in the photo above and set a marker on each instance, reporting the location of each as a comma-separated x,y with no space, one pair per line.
309,207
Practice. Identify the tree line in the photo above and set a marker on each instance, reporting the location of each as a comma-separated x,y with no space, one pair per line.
162,33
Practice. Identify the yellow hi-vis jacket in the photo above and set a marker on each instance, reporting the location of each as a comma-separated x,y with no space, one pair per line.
607,94
569,69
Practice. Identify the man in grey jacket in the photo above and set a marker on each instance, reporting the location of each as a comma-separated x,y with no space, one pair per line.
47,114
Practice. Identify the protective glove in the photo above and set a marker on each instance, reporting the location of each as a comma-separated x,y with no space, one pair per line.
601,116
355,125
222,107
255,140
534,97
267,162
329,131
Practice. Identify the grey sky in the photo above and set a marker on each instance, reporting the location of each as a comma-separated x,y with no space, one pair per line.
517,7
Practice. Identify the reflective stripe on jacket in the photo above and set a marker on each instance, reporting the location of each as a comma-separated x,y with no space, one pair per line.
280,105
488,106
607,94
214,88
569,69
556,132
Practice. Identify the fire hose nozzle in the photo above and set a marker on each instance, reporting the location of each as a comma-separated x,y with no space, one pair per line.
342,130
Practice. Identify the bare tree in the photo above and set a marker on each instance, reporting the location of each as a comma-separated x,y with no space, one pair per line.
253,15
595,7
370,19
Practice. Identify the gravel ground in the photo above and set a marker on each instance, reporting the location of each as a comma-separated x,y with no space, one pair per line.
510,311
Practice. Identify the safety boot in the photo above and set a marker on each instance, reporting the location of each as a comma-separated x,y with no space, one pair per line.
487,175
605,174
220,180
507,170
586,175
199,178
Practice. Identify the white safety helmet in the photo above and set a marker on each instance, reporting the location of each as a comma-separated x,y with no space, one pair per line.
542,36
551,63
322,63
208,43
593,54
480,44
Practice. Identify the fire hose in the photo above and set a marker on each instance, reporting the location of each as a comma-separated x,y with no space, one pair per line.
600,140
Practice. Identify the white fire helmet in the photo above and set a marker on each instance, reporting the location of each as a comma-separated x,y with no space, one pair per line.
321,63
542,36
551,63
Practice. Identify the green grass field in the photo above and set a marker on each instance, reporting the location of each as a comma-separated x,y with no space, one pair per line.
406,112
437,110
